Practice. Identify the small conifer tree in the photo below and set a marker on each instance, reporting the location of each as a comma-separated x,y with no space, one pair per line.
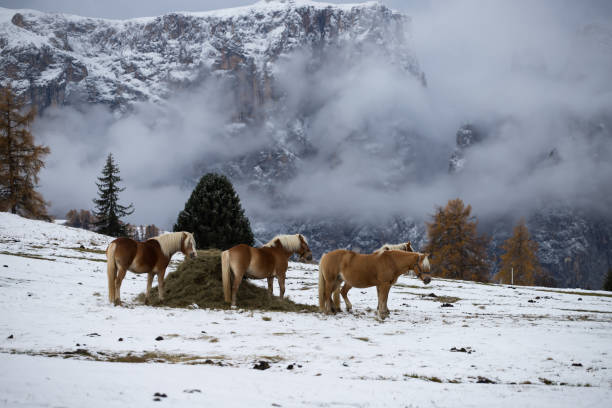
456,249
214,215
108,211
519,263
20,159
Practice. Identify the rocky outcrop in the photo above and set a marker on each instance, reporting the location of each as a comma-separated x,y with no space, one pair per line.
63,59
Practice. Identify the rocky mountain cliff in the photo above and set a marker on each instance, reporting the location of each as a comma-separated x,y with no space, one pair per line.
64,59
58,59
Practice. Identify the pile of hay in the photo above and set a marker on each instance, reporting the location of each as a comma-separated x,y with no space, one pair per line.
198,281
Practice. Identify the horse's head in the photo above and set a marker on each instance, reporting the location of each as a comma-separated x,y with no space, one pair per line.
304,252
424,270
188,245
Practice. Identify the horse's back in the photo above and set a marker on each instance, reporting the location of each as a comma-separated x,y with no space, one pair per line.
124,248
361,270
330,263
258,262
139,257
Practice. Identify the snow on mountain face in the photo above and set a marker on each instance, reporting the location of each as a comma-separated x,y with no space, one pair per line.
64,59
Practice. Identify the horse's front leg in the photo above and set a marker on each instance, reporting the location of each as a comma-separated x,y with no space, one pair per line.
149,284
281,284
270,288
160,284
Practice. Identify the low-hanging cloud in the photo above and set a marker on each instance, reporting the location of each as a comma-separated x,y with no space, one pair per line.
534,79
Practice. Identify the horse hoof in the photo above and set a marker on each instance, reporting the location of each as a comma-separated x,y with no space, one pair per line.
117,302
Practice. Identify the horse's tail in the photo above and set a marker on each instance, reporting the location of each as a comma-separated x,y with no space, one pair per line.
322,299
226,271
111,270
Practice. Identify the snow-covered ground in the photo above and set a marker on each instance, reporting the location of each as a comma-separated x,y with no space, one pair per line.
62,343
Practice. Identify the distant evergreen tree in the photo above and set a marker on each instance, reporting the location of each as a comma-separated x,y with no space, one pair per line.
108,211
457,251
520,259
214,215
20,159
608,281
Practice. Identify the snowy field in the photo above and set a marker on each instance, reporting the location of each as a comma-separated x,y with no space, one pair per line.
63,345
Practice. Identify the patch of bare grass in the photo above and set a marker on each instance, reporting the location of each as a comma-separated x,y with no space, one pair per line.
576,293
89,250
24,255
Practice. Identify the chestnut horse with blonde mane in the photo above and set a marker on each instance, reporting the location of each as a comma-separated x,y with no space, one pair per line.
151,257
406,247
365,270
266,262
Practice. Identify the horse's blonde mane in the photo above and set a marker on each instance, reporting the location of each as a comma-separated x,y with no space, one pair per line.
288,242
170,243
392,247
426,265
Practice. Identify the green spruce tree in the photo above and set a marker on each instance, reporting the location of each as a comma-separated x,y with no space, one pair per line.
108,211
214,215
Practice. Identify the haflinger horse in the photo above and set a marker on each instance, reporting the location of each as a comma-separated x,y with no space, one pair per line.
151,257
266,262
365,270
406,247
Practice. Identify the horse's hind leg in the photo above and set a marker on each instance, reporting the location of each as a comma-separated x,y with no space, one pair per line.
344,293
120,276
238,274
336,299
149,284
270,288
281,285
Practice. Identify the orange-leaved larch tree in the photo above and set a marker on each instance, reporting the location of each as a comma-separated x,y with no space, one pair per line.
519,263
20,159
457,250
